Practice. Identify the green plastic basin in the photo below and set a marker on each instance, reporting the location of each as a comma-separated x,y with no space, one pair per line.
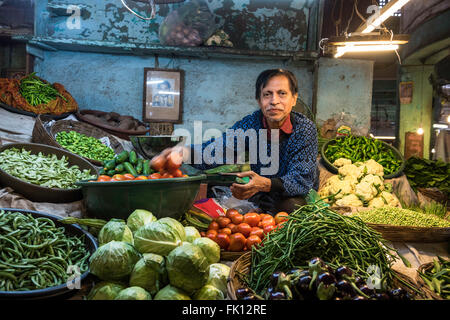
118,199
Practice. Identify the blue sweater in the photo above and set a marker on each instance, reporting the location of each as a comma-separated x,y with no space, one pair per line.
298,172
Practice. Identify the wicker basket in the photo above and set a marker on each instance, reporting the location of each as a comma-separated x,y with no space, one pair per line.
241,267
402,233
230,255
42,135
422,268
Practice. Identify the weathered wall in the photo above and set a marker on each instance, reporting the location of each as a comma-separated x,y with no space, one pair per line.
345,85
251,24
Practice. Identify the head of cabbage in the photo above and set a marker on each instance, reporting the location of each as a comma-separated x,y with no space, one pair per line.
159,237
138,218
186,267
149,273
105,290
218,275
133,293
171,293
115,229
209,292
114,260
210,249
191,233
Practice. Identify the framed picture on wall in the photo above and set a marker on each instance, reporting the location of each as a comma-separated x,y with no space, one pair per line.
163,95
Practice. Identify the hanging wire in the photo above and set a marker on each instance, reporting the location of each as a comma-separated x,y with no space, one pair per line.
351,17
152,6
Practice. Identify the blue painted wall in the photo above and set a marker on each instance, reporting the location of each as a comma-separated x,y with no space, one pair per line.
216,91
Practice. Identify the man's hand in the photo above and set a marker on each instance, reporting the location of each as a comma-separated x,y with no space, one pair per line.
256,184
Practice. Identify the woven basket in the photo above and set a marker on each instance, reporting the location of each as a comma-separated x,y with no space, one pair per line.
422,268
230,255
402,233
241,267
435,194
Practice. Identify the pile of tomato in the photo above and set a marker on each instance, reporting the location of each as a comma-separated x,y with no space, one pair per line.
240,232
127,176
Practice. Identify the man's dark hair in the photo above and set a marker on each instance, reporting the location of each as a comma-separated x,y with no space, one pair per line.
266,75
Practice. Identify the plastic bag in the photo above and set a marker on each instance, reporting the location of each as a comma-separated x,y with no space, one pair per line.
188,25
225,198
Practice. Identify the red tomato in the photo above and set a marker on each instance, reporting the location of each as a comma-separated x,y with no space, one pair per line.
223,240
101,179
280,217
231,226
223,221
141,178
203,233
235,228
268,221
225,230
237,242
114,180
158,162
263,215
251,241
104,177
177,173
252,218
256,231
212,234
245,229
213,226
166,175
128,176
231,213
237,218
118,177
156,175
268,228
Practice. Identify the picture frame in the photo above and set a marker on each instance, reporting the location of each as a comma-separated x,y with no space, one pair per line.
163,95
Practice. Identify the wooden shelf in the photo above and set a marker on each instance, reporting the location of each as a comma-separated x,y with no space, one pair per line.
140,49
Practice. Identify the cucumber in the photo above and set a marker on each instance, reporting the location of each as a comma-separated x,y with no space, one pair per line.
129,168
139,166
133,158
102,171
110,165
119,168
111,172
146,167
122,157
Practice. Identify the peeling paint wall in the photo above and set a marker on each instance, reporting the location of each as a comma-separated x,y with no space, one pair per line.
251,24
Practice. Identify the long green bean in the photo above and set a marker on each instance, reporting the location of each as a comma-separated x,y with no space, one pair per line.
316,231
31,265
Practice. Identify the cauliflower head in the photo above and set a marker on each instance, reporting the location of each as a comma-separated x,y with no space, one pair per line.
374,180
390,198
373,167
350,170
377,202
341,162
349,200
333,185
365,190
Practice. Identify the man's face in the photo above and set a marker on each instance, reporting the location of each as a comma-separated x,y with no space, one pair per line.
276,100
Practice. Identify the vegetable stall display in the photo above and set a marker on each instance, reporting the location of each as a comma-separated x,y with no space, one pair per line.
436,275
43,170
160,260
85,146
361,149
359,184
35,253
424,173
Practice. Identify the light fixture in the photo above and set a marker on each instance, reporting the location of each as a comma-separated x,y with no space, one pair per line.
440,126
380,16
433,150
420,131
365,48
448,118
384,137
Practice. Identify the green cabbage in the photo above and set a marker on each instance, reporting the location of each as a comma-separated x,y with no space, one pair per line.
149,273
210,248
159,237
114,260
209,292
171,293
138,218
186,267
115,229
191,233
133,293
218,276
105,290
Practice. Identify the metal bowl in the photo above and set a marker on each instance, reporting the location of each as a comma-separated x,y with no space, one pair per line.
150,146
62,289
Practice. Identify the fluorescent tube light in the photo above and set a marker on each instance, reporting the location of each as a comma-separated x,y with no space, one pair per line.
387,11
365,48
